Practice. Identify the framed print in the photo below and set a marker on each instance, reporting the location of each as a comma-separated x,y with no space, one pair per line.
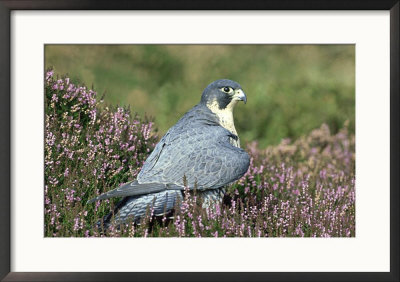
160,174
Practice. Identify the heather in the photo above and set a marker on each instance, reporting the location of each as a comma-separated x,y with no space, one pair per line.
299,188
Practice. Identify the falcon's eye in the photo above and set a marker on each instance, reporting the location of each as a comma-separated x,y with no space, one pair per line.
227,89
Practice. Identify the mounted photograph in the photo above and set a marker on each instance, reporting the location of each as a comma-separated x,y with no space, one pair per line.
237,140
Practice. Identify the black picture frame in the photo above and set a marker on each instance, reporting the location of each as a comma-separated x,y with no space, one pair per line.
6,7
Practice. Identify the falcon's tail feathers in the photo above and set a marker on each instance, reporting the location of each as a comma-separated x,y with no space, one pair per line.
133,208
134,188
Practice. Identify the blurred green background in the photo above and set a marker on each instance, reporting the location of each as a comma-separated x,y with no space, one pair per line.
291,89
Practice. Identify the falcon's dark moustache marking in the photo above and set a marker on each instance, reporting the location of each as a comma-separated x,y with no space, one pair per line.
224,101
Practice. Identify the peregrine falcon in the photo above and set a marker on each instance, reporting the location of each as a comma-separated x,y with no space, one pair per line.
202,149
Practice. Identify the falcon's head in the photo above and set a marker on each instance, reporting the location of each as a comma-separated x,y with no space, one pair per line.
223,94
220,97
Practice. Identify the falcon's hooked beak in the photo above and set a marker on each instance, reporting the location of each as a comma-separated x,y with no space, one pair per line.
239,95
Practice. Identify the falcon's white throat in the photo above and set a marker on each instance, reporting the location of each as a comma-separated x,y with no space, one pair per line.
225,117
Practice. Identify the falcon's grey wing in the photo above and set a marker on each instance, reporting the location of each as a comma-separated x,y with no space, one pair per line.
198,115
203,155
153,157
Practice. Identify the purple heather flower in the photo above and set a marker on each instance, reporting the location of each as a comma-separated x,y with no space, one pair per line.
49,74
